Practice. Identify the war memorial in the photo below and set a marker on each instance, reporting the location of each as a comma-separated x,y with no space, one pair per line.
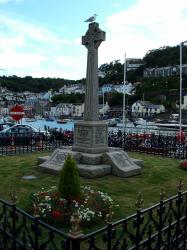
90,149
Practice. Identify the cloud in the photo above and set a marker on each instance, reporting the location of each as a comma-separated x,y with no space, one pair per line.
29,49
13,60
146,25
30,30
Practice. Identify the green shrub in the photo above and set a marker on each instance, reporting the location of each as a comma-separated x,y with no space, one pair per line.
69,184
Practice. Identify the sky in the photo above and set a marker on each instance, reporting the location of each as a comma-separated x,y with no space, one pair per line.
42,38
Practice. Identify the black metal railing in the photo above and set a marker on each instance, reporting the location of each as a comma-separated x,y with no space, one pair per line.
19,230
31,142
150,143
162,226
165,145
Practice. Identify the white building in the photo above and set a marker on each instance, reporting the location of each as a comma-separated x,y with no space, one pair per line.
146,108
77,110
107,88
134,63
67,109
62,109
103,109
120,88
184,105
4,111
72,89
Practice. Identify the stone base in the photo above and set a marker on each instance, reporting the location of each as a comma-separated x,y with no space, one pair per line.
114,161
90,137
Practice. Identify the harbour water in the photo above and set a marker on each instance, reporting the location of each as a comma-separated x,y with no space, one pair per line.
42,124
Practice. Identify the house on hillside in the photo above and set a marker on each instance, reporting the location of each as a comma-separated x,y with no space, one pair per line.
67,110
184,104
72,89
164,71
107,88
77,110
120,88
62,109
146,109
4,111
134,63
104,108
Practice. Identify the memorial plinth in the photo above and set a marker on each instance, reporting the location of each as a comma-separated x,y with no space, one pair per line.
90,149
90,137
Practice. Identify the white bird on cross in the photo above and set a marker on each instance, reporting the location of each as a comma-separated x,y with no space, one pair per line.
91,19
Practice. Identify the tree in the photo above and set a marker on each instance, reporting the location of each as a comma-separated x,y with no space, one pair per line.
69,184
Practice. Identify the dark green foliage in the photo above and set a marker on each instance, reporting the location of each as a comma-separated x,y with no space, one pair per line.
28,83
164,56
70,98
69,184
115,99
113,72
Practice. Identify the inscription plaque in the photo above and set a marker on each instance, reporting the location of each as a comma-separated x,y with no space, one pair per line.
83,135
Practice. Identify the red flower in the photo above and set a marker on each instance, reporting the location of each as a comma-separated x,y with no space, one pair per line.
78,199
55,195
61,203
183,164
43,193
56,214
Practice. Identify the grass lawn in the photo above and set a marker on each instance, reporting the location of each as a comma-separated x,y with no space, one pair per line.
158,172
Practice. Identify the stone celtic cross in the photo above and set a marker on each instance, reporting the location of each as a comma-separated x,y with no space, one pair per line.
92,39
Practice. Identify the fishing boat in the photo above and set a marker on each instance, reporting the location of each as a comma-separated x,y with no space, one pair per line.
62,121
30,119
50,119
111,122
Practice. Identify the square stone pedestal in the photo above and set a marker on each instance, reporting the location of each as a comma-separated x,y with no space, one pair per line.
90,137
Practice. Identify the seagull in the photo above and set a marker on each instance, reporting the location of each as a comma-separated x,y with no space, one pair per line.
91,19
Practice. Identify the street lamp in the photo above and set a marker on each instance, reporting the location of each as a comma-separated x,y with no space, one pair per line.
103,102
180,110
124,115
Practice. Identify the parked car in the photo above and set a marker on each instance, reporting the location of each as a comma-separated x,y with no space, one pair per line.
21,135
4,125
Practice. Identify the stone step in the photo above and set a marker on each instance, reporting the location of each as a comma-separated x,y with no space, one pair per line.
93,171
50,169
122,165
91,159
89,171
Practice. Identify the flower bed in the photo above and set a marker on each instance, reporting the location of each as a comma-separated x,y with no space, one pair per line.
183,164
91,205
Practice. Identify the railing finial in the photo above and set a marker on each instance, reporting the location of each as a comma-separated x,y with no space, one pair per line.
75,221
180,185
162,194
140,201
36,211
13,197
109,215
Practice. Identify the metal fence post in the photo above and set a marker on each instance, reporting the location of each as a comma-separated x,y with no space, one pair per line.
160,211
36,232
139,220
109,236
179,201
75,232
13,227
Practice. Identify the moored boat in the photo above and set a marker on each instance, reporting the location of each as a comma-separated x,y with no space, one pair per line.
61,121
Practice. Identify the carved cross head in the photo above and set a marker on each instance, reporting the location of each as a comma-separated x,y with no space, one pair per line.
93,37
